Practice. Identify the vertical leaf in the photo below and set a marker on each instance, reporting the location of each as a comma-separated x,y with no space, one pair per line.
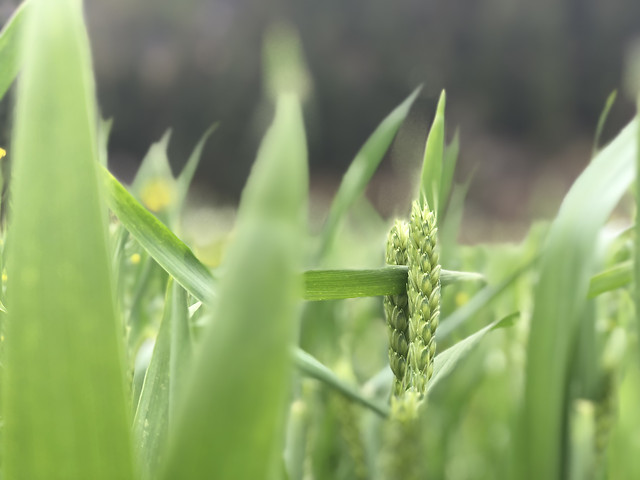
231,421
449,161
65,408
156,408
565,270
183,182
602,120
362,169
431,176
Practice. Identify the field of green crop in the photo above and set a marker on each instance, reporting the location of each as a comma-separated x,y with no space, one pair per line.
371,349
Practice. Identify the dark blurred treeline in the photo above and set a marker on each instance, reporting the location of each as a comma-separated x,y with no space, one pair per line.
535,73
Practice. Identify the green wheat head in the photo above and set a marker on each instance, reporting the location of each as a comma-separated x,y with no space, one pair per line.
423,290
412,319
396,308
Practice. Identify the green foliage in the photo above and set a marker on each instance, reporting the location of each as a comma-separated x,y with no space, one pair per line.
208,355
362,169
64,406
432,166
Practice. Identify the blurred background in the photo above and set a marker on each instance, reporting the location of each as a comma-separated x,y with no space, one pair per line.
526,82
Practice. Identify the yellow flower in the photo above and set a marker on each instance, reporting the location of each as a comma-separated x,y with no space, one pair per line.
3,152
461,298
157,194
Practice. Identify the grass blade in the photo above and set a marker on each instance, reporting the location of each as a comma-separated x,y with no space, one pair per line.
391,280
10,48
183,182
311,367
231,423
178,260
431,176
601,121
477,302
449,162
445,363
160,242
65,410
611,279
156,407
565,269
362,169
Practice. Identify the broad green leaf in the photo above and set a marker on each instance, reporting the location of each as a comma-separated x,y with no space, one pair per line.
64,408
10,48
311,367
390,280
611,279
156,407
161,243
602,120
565,269
431,176
231,425
362,169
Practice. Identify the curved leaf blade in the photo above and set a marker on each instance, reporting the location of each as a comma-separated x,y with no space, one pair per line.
65,408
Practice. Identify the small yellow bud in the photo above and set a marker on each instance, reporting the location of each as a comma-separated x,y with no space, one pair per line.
135,258
461,298
157,194
4,277
3,152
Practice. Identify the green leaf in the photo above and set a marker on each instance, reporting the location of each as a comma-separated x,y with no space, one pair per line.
449,324
362,169
154,165
231,425
449,161
431,176
10,48
178,260
64,408
391,280
602,119
615,277
160,242
156,408
284,66
565,269
312,368
446,362
183,182
104,130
